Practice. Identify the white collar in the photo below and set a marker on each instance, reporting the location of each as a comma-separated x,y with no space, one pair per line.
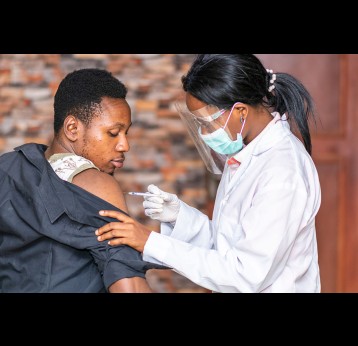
248,149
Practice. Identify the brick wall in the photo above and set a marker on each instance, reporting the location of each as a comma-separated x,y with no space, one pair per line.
161,151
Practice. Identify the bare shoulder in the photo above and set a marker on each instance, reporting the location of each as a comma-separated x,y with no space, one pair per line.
102,185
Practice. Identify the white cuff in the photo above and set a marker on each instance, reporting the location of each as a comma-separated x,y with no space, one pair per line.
156,248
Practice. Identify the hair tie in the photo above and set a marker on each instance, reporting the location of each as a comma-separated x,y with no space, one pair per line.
272,80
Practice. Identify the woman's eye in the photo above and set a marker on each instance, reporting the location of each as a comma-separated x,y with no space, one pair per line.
113,134
201,122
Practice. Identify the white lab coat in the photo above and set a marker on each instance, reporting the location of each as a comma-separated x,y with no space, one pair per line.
262,236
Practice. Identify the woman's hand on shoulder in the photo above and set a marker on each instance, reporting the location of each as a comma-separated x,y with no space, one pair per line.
126,232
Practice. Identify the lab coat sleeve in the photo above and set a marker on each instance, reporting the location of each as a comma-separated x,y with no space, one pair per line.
201,235
184,230
255,260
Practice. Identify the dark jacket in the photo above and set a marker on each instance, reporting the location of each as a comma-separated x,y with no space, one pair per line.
47,225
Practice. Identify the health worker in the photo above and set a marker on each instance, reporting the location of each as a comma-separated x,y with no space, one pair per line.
251,125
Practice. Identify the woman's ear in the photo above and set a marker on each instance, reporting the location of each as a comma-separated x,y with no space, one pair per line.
242,110
70,128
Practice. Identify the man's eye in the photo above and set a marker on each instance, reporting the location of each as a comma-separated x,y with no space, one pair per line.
113,134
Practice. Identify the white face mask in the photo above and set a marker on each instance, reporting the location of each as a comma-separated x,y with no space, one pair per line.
220,141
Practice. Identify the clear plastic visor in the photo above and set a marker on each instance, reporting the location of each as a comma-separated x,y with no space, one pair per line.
203,121
208,113
210,118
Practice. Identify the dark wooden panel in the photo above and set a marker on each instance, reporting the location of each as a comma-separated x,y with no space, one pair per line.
349,277
321,75
329,222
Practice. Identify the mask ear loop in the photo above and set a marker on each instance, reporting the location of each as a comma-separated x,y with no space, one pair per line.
243,124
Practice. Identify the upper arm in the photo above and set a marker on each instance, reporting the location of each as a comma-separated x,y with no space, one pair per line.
103,186
106,187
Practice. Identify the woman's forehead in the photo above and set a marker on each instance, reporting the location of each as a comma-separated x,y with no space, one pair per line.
206,111
193,103
199,108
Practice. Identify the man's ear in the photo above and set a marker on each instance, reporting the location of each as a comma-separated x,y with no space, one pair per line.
71,128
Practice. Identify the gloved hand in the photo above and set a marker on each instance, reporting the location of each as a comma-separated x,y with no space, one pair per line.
164,208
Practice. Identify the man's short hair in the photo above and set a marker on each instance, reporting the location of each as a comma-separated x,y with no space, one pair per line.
80,94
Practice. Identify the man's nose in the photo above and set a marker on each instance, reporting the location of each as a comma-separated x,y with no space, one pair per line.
123,145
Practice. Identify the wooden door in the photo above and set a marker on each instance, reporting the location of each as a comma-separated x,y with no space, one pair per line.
332,79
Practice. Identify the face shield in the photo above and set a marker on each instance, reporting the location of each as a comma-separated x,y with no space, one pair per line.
205,120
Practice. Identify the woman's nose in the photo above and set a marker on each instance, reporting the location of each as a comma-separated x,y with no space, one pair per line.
204,130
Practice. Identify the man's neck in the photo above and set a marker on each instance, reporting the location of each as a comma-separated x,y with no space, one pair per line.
56,147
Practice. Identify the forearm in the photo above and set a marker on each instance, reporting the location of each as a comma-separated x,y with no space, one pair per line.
130,285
